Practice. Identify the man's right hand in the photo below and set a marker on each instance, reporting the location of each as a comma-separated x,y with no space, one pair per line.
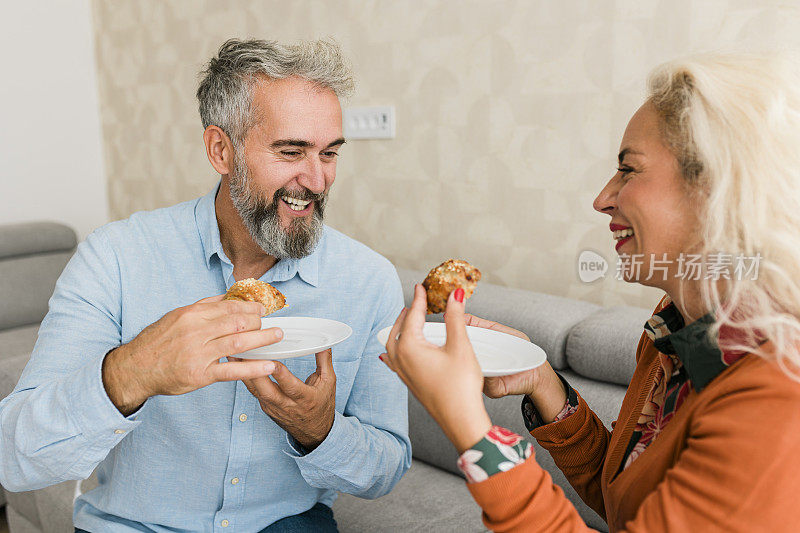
180,352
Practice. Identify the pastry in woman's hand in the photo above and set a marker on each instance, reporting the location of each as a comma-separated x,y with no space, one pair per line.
447,277
253,290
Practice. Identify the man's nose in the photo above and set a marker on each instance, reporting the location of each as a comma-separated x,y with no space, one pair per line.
313,175
606,201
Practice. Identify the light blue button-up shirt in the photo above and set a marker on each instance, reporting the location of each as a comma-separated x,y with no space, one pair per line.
209,460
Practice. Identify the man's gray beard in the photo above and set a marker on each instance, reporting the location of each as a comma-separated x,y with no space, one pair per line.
263,222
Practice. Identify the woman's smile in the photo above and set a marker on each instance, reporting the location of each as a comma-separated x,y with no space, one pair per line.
622,234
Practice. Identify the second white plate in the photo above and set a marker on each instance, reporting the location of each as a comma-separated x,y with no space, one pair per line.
499,354
301,336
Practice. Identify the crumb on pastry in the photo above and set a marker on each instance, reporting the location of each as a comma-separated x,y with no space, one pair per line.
447,277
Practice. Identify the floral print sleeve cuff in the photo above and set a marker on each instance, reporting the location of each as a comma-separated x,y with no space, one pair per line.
498,451
531,416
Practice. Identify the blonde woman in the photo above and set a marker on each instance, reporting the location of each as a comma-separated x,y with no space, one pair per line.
708,435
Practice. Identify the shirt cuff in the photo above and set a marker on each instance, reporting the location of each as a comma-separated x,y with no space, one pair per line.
318,465
531,416
96,417
500,450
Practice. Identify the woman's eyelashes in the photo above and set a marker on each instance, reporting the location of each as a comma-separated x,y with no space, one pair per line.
625,170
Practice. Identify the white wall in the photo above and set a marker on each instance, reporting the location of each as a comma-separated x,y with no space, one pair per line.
509,115
51,165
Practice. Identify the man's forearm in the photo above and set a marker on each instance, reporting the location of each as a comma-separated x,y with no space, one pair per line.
121,383
311,439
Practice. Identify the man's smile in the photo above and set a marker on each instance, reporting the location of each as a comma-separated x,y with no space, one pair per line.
297,207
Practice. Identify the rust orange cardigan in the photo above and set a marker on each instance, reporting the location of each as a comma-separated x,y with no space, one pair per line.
729,460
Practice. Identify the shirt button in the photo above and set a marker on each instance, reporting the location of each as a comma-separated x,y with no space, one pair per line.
119,431
242,417
234,481
224,523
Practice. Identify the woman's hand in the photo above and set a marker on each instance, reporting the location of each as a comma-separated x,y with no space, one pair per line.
497,387
541,384
447,380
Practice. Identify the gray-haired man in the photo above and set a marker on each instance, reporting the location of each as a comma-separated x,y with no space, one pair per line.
126,375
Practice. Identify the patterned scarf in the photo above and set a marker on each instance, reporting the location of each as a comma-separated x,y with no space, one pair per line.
688,359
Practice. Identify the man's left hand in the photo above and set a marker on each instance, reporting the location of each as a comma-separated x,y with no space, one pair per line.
304,410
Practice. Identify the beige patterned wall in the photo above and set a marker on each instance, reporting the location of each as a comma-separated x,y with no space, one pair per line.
509,115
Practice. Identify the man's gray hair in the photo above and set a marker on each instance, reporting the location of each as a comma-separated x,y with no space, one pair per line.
225,92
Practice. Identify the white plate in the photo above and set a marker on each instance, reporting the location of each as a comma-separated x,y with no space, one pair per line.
301,336
499,354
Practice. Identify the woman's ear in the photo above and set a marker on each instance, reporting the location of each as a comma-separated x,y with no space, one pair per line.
219,149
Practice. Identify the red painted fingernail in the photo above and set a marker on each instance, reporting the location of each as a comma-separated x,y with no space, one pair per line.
381,358
459,295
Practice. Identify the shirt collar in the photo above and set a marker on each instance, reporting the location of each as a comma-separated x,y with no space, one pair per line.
306,267
207,227
285,269
699,353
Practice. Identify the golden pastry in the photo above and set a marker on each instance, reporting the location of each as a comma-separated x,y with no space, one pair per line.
253,290
446,278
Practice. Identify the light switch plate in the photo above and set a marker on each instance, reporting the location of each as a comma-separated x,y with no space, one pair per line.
375,122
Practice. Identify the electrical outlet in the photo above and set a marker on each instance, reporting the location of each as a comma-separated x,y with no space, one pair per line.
375,122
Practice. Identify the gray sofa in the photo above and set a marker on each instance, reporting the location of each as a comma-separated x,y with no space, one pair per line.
592,347
32,257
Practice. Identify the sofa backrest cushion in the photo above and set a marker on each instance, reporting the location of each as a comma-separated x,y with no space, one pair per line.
603,345
32,256
546,319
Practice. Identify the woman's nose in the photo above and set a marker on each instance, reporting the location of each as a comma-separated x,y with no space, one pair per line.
606,201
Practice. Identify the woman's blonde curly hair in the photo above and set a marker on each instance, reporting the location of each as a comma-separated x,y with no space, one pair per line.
733,124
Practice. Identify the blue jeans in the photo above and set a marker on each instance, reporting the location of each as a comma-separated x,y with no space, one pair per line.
318,519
